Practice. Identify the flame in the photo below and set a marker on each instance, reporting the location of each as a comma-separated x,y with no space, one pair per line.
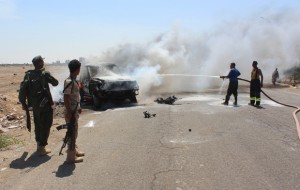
79,84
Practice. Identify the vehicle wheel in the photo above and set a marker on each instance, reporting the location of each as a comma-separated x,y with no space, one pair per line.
96,102
133,99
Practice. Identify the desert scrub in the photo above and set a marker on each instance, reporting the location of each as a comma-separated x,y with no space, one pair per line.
6,140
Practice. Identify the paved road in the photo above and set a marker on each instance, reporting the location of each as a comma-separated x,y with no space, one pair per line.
227,148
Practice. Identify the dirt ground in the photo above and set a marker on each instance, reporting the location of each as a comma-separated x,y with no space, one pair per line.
13,118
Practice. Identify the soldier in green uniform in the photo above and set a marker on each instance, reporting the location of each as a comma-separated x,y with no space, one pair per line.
34,92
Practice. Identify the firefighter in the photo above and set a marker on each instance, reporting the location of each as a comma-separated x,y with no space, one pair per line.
233,84
255,85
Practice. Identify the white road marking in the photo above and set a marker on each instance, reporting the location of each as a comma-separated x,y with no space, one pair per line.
199,98
90,124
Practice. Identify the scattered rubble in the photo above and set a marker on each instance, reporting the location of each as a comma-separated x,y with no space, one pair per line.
59,110
3,130
11,121
170,100
2,97
13,127
11,117
148,115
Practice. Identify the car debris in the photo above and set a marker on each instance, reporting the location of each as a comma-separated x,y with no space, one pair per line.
148,115
170,100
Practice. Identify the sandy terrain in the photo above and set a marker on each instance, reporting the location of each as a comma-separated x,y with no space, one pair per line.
10,78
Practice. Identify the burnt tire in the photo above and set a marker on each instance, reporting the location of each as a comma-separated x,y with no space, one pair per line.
133,99
96,102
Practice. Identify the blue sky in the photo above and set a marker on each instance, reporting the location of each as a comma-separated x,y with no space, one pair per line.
68,29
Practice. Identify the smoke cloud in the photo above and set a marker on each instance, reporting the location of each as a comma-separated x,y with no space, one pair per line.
272,40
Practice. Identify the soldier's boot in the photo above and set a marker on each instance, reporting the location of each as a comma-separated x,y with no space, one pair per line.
79,153
235,101
72,158
42,150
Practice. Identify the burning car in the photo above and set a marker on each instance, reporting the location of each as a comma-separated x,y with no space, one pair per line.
101,83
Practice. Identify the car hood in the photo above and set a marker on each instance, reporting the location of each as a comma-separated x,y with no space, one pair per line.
114,78
116,83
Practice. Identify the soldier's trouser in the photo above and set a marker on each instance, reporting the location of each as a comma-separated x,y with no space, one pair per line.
74,134
232,89
255,89
43,119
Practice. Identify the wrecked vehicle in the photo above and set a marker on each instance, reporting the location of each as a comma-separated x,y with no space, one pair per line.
101,83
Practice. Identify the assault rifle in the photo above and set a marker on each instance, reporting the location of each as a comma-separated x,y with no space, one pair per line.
28,122
47,98
70,131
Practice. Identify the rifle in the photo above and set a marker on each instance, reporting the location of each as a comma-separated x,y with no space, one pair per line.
47,98
46,94
70,131
28,122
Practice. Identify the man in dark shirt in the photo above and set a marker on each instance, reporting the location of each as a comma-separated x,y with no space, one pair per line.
34,92
233,84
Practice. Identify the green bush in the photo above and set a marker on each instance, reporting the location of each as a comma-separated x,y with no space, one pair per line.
6,140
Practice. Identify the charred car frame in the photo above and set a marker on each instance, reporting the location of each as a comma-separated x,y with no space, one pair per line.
101,83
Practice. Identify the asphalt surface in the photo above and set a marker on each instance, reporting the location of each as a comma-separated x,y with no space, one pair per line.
197,143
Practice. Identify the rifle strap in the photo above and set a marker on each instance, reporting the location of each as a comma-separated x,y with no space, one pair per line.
67,86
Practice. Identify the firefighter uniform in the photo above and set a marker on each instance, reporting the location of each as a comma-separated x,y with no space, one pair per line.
255,87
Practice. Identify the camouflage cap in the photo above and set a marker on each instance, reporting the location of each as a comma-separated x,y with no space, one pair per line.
36,59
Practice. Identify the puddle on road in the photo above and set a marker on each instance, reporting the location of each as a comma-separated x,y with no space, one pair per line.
217,101
270,103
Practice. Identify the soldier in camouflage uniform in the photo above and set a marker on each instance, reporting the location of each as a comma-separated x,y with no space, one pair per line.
34,92
72,111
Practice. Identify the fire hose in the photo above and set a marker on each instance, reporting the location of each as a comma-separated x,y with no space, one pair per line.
287,105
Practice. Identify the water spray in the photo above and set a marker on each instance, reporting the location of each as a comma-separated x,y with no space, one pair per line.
187,75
